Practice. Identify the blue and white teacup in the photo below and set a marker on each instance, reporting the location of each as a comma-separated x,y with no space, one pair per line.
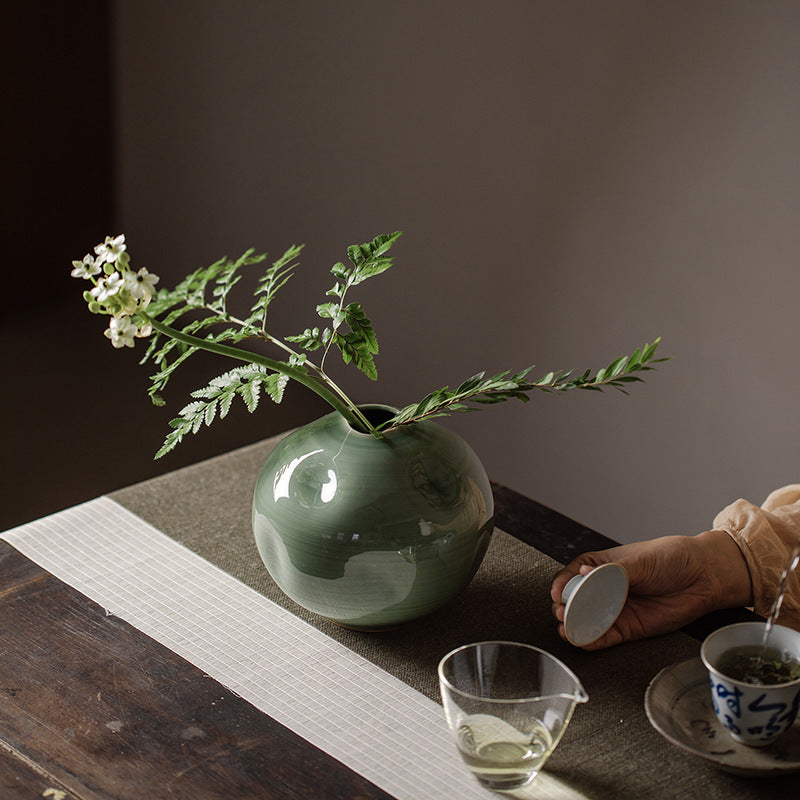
753,714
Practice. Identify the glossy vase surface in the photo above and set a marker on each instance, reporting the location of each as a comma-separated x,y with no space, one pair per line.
369,532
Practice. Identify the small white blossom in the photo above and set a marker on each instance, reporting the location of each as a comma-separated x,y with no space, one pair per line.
121,331
86,268
106,287
141,284
111,249
144,331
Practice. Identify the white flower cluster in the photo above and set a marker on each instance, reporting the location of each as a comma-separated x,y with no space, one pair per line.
119,291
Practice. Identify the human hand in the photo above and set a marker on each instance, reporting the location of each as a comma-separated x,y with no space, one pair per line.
673,580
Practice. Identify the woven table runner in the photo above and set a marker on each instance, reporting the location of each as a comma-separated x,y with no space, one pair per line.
175,557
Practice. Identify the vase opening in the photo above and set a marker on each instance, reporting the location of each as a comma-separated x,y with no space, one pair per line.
376,414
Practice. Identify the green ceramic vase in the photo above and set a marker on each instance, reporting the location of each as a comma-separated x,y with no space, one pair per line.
368,532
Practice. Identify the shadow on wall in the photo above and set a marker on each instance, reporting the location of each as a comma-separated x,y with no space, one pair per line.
76,419
86,425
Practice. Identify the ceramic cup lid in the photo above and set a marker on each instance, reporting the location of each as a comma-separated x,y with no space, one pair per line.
593,603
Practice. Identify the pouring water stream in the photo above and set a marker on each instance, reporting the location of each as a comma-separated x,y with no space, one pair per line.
783,585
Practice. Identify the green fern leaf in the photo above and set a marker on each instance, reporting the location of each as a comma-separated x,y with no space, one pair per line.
250,392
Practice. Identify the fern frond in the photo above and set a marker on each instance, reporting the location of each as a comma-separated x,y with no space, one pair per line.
246,381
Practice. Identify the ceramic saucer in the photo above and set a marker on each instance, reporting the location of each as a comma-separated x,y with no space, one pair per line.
593,603
678,705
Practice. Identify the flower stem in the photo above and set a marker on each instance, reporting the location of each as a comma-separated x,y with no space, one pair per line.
347,409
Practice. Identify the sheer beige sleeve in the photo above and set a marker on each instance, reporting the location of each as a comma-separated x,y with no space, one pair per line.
767,536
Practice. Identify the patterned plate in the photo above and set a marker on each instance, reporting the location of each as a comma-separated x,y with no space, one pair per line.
678,705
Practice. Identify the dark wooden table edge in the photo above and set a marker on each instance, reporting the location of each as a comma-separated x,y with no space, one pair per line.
157,706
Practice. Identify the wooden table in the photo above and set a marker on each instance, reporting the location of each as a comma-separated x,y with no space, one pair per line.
91,707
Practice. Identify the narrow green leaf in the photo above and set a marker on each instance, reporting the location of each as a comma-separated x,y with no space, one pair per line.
471,383
618,366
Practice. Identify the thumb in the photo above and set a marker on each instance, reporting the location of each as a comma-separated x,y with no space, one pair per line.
582,565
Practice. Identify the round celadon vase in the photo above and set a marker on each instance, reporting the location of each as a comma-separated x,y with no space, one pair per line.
367,532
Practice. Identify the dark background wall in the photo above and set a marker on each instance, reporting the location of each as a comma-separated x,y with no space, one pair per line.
573,178
75,420
57,139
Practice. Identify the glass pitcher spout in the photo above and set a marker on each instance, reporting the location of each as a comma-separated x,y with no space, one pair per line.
580,695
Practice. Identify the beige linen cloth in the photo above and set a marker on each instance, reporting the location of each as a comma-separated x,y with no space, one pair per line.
767,536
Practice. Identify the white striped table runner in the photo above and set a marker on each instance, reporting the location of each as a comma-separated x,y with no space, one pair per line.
343,704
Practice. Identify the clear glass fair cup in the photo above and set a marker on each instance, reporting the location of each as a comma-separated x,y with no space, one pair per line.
507,707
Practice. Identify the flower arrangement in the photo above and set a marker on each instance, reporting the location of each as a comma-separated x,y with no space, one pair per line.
138,310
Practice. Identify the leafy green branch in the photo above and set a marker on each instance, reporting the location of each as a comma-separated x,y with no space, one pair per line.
195,316
505,386
359,345
206,291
